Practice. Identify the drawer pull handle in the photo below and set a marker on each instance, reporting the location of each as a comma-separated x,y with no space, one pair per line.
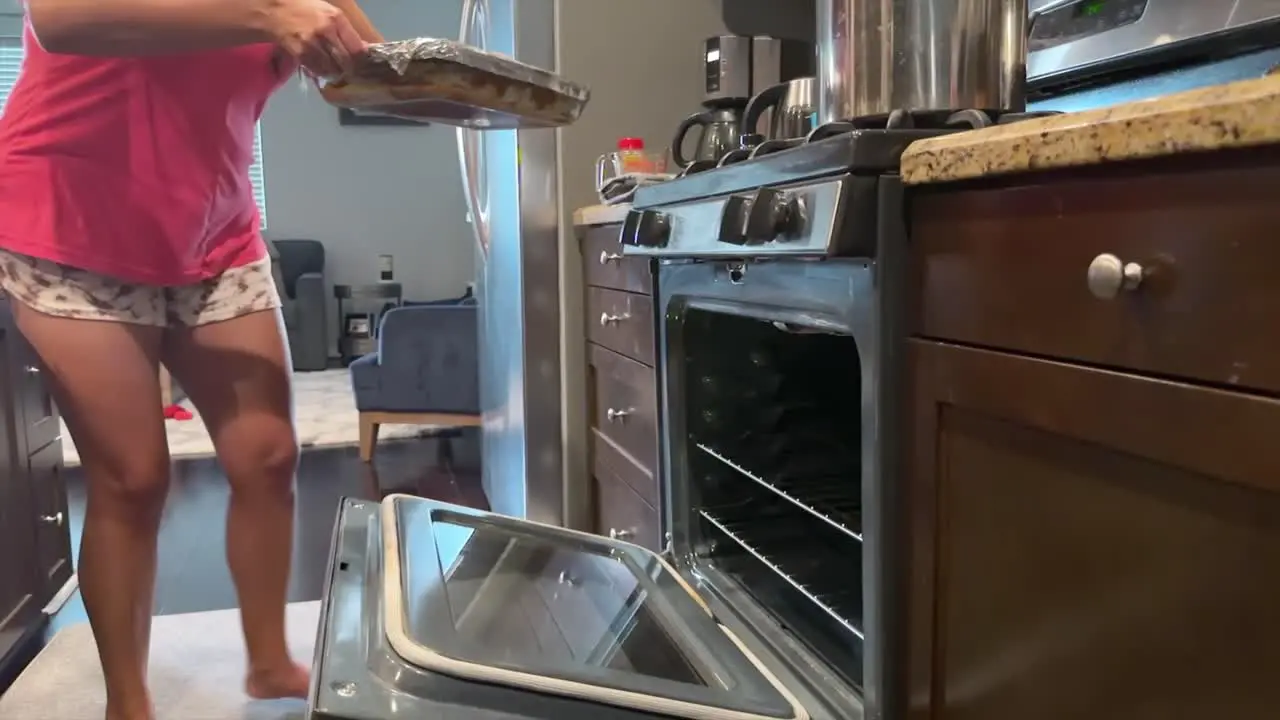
606,319
616,415
607,257
32,370
1109,276
52,519
616,534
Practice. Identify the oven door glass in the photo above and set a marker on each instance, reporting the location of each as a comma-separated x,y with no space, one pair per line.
493,599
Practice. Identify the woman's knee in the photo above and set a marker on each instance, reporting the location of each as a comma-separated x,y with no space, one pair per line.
263,463
128,484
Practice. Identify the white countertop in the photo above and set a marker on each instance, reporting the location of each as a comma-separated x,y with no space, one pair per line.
600,214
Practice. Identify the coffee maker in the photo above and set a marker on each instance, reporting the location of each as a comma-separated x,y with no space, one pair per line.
735,67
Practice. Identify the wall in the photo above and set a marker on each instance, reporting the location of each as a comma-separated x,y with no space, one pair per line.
363,191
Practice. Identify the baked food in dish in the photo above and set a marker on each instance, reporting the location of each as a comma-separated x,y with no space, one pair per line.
443,81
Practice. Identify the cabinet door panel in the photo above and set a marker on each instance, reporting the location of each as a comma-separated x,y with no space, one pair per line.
39,416
19,579
1089,544
53,537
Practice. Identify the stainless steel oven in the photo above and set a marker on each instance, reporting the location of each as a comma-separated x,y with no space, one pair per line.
773,394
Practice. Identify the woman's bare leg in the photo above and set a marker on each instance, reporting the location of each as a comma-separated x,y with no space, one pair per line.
237,373
103,376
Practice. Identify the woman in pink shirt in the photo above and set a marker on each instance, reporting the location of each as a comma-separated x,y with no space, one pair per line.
129,237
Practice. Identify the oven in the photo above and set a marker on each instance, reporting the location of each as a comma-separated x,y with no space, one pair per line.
775,598
774,394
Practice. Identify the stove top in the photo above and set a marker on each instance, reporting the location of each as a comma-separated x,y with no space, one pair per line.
868,145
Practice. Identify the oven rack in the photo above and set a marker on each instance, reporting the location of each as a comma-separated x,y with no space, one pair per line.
827,589
831,502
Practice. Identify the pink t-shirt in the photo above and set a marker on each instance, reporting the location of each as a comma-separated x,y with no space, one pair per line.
136,168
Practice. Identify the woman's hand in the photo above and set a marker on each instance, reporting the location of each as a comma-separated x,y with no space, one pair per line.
316,33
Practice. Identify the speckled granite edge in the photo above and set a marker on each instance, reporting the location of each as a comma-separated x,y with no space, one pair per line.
1239,114
600,214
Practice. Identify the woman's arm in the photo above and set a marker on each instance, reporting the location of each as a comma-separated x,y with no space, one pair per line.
359,20
146,27
158,27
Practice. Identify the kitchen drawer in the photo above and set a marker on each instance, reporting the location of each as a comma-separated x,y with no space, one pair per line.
604,266
638,473
1009,268
622,322
625,399
622,514
53,536
34,404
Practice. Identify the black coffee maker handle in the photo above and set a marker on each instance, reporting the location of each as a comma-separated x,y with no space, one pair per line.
677,143
766,99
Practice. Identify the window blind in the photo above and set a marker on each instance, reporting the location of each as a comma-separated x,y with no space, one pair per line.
11,63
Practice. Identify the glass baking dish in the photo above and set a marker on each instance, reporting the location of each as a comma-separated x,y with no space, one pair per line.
444,81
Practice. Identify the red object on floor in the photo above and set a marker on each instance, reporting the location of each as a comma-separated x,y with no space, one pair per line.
177,412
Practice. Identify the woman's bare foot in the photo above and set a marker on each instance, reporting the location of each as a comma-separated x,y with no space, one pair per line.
291,681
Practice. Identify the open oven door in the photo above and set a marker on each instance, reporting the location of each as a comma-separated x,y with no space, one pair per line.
430,604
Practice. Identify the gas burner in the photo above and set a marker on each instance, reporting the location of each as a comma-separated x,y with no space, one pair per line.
942,120
871,144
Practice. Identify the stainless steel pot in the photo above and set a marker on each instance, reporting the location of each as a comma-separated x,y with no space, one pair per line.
876,56
792,107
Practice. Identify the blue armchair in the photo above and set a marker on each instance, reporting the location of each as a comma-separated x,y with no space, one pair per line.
425,372
298,269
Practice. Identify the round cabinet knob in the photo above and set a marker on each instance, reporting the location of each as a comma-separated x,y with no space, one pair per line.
32,370
1109,276
607,257
52,519
616,415
606,319
616,534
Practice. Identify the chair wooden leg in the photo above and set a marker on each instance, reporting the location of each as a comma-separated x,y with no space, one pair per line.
368,437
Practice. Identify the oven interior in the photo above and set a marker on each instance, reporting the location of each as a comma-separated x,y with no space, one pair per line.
772,419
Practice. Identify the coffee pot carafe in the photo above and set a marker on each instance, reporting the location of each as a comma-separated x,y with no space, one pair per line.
791,108
720,129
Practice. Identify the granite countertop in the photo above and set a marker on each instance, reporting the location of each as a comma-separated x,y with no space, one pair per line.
1240,114
600,214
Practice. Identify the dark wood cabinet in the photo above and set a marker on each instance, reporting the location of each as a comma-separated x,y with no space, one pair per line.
35,542
1095,544
1093,483
49,501
622,388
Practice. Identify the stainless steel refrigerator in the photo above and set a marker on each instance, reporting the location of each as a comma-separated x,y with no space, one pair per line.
642,62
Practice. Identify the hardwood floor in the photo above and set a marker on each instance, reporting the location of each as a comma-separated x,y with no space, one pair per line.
192,574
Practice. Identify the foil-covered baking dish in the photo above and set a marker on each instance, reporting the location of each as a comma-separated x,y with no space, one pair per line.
447,82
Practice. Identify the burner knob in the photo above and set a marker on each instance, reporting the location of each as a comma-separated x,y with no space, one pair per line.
773,213
645,228
733,220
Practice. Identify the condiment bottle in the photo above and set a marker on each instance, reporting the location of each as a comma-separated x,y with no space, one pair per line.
631,156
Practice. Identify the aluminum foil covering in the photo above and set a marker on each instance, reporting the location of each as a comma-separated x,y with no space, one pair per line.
398,55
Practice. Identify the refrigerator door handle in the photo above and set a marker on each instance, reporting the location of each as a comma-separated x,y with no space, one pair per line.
474,32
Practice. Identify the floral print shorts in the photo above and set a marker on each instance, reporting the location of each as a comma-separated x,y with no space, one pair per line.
63,291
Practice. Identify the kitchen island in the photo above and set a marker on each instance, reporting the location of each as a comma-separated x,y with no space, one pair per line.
35,543
1093,470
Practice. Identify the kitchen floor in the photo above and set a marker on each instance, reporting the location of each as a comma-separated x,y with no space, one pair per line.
192,574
